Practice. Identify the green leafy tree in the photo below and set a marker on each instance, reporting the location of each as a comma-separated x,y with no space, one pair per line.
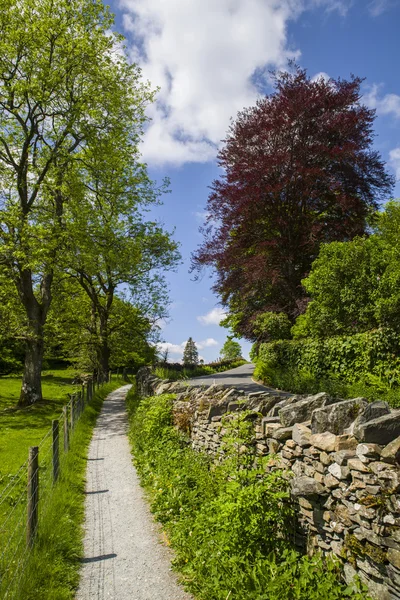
118,248
63,84
231,349
190,353
354,286
271,326
73,331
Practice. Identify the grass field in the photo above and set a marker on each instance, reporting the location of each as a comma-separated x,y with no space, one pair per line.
24,427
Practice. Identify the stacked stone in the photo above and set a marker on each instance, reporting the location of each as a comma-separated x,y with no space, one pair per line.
343,459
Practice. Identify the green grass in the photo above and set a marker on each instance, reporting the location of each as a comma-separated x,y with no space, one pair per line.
21,428
52,571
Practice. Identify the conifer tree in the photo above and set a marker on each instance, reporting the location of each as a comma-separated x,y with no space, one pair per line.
190,353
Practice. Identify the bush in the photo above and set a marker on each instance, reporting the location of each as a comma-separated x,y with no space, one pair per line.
230,525
366,362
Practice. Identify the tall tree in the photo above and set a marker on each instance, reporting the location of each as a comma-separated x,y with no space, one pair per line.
110,243
73,330
190,354
299,169
63,81
231,349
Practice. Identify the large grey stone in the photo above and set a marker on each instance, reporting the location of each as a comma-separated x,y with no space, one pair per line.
337,417
264,404
374,410
217,410
391,452
382,430
307,486
283,433
300,411
274,412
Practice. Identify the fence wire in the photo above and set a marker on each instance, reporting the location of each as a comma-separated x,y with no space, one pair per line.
17,531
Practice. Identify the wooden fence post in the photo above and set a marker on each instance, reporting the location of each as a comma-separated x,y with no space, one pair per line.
66,428
72,415
56,450
33,495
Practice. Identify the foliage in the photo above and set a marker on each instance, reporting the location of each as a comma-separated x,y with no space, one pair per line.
190,353
299,170
229,524
71,107
271,326
231,349
72,330
365,361
119,248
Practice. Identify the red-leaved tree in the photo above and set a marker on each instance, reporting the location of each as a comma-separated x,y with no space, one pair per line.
299,170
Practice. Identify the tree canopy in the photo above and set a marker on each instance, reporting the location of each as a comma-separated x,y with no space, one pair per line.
231,349
354,285
299,170
72,110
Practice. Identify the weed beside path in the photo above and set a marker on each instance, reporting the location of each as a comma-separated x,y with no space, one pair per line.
230,525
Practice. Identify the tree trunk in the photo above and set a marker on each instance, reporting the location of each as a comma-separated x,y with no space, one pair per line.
104,351
31,390
36,313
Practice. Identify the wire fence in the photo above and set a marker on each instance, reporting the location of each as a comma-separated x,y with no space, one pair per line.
25,500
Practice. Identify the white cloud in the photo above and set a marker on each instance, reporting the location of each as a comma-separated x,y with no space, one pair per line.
177,349
208,343
377,7
172,348
394,161
209,58
201,216
321,75
213,317
384,105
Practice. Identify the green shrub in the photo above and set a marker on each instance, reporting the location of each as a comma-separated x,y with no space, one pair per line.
230,525
367,362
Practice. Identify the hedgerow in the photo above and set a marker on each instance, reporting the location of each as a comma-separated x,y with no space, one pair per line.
366,363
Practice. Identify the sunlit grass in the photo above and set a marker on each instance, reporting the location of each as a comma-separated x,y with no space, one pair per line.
21,428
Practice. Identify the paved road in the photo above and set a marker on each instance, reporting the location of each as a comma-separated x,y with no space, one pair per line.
241,378
124,559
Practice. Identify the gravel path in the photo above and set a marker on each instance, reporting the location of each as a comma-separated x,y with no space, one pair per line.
124,559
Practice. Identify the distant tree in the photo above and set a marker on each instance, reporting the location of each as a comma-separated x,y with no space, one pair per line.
231,350
299,170
190,353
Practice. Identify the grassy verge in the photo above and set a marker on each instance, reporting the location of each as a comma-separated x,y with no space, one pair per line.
230,525
52,571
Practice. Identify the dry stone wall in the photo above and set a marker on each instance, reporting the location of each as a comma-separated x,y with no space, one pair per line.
343,458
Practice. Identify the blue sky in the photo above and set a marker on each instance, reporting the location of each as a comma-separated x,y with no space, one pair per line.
211,58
